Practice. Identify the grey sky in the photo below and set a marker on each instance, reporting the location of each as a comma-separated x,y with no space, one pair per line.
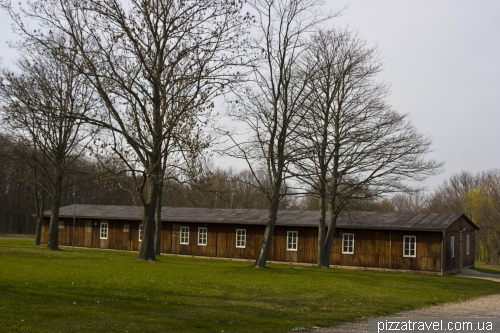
442,59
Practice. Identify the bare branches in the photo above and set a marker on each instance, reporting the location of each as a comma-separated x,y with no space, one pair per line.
271,105
157,66
478,196
43,106
351,139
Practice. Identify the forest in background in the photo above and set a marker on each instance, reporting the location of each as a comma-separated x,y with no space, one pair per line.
476,195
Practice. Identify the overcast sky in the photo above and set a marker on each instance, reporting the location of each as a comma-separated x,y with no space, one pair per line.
442,60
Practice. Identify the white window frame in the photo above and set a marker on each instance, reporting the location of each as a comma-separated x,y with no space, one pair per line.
348,243
184,235
202,236
141,232
292,238
241,238
452,246
412,252
467,244
103,230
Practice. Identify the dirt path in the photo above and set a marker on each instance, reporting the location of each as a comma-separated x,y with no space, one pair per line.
481,307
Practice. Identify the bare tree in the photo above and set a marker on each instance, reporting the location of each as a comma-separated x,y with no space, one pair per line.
43,105
353,145
23,195
413,202
157,65
274,101
218,188
448,196
478,196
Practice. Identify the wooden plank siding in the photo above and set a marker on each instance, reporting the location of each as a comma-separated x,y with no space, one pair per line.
226,241
374,248
456,259
384,249
192,248
166,237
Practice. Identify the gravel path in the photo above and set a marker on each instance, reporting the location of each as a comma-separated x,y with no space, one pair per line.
481,307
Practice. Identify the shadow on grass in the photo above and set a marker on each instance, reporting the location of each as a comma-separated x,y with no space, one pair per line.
488,270
481,266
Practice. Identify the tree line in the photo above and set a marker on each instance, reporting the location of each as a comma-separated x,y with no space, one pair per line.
88,183
120,96
476,195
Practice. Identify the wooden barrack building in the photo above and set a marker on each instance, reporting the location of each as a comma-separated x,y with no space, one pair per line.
432,243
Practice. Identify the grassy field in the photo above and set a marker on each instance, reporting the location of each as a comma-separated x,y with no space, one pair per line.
110,291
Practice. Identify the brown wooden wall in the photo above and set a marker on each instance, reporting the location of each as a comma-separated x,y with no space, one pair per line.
384,249
372,248
460,258
306,245
122,235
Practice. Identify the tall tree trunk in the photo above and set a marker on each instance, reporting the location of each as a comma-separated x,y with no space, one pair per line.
332,225
322,225
147,249
265,246
53,243
40,207
158,226
326,251
272,217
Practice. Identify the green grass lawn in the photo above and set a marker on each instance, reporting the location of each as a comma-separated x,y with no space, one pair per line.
110,291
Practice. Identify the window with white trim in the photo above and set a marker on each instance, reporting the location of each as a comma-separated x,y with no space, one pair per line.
184,235
104,230
410,246
347,243
467,244
241,238
141,232
292,237
202,236
452,248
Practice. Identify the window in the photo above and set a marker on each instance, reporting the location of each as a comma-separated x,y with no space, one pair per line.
348,243
241,237
292,237
452,241
184,235
467,244
104,230
141,232
202,236
409,246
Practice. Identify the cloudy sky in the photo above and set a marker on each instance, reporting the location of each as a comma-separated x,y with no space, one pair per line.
442,60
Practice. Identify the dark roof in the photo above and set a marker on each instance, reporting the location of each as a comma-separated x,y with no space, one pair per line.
355,220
